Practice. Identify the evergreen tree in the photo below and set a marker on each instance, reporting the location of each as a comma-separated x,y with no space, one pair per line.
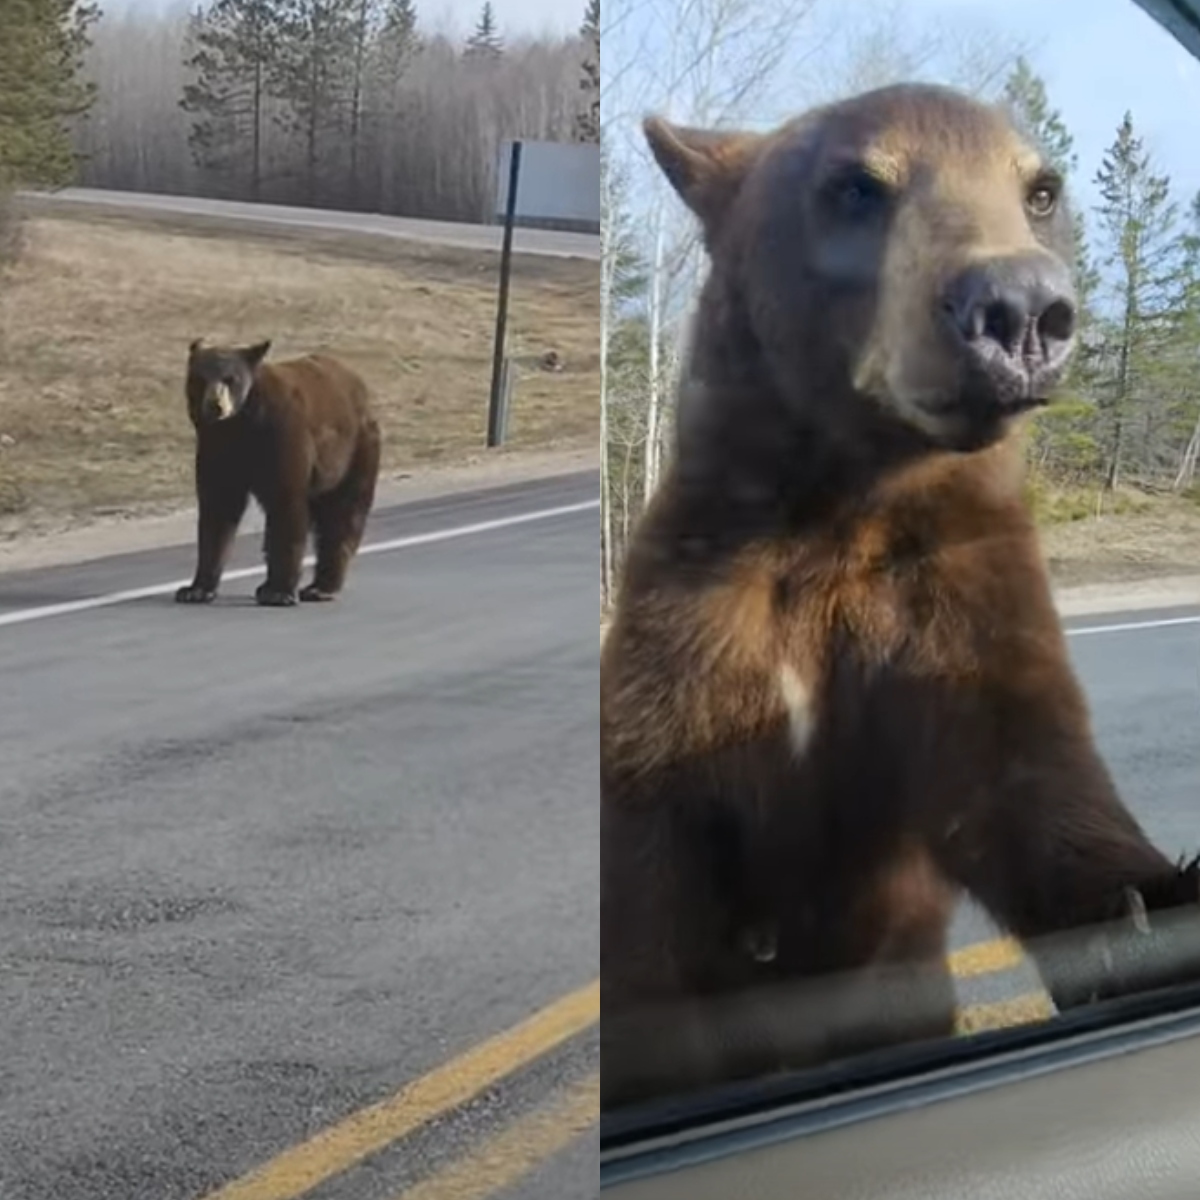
1028,104
625,269
485,42
1142,247
42,43
393,48
233,45
587,121
1065,432
398,34
313,72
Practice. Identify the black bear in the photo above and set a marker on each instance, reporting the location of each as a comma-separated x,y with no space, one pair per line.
299,437
835,694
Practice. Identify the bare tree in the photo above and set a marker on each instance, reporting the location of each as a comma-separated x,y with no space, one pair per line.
713,62
874,43
373,114
136,136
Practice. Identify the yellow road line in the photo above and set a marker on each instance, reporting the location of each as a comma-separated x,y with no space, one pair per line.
508,1157
986,958
303,1167
1000,1014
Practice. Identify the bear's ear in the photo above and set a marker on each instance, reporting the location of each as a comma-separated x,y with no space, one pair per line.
195,347
255,354
705,166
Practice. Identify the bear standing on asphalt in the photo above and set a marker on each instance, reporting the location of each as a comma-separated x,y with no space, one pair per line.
299,437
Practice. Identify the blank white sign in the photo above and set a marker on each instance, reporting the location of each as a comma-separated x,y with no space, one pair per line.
558,181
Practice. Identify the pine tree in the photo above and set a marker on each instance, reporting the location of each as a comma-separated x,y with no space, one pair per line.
393,47
1142,247
1028,104
1064,433
485,42
313,72
587,121
233,45
398,34
42,43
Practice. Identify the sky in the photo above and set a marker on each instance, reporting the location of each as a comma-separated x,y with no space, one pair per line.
1097,57
515,17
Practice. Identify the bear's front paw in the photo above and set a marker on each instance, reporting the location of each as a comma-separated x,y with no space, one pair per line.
312,592
195,595
271,597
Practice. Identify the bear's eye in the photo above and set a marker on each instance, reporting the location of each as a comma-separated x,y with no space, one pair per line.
857,194
1043,197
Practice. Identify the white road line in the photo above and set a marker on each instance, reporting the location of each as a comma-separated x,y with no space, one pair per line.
22,615
1129,626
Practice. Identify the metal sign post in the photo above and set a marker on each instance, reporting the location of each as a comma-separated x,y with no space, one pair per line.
495,434
547,182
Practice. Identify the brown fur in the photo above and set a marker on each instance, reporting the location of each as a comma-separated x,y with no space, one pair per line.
842,523
299,437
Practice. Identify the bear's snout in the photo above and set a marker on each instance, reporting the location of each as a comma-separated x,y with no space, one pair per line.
218,403
1013,320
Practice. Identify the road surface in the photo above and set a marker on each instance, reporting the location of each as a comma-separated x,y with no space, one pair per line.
277,217
262,868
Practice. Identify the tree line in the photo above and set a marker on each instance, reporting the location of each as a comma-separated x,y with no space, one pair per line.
334,103
1128,416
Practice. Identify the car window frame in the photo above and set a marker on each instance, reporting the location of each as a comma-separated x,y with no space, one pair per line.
673,1132
668,1133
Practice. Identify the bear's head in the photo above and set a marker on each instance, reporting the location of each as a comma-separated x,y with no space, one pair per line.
219,380
897,264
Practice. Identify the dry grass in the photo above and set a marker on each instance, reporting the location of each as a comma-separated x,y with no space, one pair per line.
1145,538
96,318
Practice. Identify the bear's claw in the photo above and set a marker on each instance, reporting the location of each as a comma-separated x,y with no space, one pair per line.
273,598
195,595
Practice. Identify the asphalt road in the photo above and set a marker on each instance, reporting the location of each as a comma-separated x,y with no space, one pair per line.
260,868
545,242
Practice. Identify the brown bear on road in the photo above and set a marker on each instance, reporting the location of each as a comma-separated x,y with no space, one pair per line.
835,694
300,438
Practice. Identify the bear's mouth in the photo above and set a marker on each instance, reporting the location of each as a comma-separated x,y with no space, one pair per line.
218,404
978,415
1007,387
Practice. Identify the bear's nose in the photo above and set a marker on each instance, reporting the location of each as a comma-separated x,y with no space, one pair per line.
1022,305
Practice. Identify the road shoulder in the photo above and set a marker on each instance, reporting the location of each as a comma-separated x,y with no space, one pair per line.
1167,591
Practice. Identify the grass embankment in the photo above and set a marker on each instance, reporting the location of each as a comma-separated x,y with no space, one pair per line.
97,314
